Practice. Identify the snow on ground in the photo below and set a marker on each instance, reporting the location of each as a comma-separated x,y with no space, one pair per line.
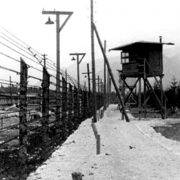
128,151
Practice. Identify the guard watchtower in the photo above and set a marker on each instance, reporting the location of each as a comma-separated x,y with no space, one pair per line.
142,60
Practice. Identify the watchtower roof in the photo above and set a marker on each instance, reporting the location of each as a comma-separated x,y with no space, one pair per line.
143,44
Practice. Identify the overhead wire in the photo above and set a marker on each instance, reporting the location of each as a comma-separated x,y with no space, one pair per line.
15,45
10,57
50,64
10,70
28,47
39,54
31,54
17,60
18,52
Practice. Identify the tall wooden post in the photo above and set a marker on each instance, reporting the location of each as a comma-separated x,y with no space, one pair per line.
45,105
104,77
93,66
57,73
58,30
89,91
107,88
98,84
98,93
102,94
88,73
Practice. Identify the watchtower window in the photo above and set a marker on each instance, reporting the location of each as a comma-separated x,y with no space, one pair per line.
124,57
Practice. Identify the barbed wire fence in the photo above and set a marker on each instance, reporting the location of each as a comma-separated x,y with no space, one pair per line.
28,103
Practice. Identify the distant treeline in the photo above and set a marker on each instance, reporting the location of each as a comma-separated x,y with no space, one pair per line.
172,93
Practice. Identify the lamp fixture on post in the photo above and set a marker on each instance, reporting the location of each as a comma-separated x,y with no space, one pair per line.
58,30
88,76
78,62
49,21
73,59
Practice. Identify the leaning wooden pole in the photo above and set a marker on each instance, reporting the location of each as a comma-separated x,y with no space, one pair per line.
111,74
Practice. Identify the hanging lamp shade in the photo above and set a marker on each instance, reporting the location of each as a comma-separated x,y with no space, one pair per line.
73,59
49,21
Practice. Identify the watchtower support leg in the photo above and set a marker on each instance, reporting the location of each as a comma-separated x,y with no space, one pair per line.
139,103
123,95
145,78
131,90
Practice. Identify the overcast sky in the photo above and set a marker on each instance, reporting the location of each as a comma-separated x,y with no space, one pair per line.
118,22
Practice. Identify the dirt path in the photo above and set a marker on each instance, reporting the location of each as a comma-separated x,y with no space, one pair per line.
127,153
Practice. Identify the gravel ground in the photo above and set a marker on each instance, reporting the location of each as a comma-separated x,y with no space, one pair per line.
128,151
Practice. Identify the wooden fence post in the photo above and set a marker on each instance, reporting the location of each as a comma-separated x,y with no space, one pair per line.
76,109
85,108
80,100
23,119
70,108
45,105
79,104
58,107
98,138
23,105
2,123
77,176
64,106
90,101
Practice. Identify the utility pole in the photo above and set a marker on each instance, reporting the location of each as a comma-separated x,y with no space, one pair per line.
98,83
88,74
58,30
107,85
93,66
101,86
44,60
101,93
89,83
78,63
161,77
104,77
109,89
